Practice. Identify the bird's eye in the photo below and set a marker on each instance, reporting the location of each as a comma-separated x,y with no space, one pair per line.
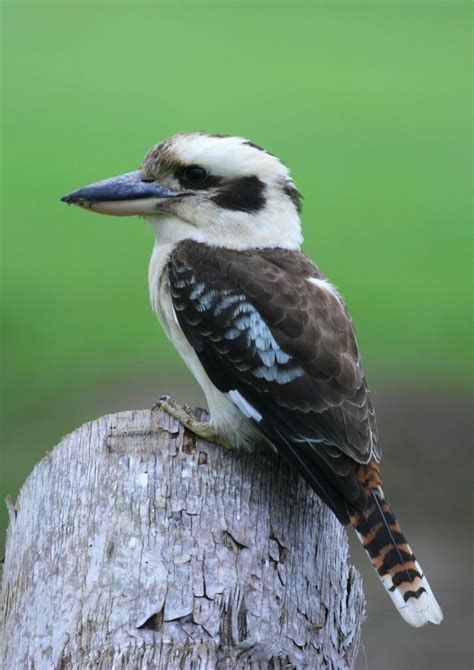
194,176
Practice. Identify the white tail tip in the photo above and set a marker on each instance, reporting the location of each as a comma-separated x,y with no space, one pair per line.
416,611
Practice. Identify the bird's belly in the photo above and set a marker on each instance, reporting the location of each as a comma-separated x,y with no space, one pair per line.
227,419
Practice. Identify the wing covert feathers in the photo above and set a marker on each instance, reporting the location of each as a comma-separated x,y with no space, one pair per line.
268,317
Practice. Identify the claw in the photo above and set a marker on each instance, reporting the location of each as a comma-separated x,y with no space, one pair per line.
163,399
185,415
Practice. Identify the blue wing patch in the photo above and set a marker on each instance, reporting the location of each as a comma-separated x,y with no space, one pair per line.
244,320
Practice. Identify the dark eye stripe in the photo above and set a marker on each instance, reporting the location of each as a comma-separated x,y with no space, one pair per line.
244,194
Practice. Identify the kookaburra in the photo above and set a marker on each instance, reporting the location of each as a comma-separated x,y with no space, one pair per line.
266,335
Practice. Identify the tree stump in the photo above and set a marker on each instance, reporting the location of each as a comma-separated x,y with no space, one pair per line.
134,545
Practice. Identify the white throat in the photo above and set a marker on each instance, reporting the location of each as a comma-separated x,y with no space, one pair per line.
278,226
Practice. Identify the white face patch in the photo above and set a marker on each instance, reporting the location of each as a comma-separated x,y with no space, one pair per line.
266,217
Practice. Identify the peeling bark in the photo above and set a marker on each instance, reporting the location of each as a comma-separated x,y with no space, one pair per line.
133,545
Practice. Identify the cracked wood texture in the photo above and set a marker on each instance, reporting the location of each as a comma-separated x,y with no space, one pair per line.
134,545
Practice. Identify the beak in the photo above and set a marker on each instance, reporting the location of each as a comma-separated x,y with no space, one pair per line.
121,196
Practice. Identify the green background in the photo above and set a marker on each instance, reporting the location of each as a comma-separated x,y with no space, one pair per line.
367,103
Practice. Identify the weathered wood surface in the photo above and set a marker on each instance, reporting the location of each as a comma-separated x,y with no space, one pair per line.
133,546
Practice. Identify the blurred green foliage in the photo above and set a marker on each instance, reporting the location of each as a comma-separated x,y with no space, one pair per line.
367,102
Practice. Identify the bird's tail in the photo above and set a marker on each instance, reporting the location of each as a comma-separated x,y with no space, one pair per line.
393,559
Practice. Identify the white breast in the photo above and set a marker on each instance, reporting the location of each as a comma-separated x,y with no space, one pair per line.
226,417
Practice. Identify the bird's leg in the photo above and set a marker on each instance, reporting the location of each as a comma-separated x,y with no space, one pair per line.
185,415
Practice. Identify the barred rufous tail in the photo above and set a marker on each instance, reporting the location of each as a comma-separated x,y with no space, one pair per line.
391,555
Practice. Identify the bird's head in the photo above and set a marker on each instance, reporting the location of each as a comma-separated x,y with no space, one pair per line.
222,190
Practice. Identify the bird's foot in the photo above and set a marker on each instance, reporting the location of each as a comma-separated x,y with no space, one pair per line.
185,415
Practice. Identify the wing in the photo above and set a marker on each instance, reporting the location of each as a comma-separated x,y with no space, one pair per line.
272,332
